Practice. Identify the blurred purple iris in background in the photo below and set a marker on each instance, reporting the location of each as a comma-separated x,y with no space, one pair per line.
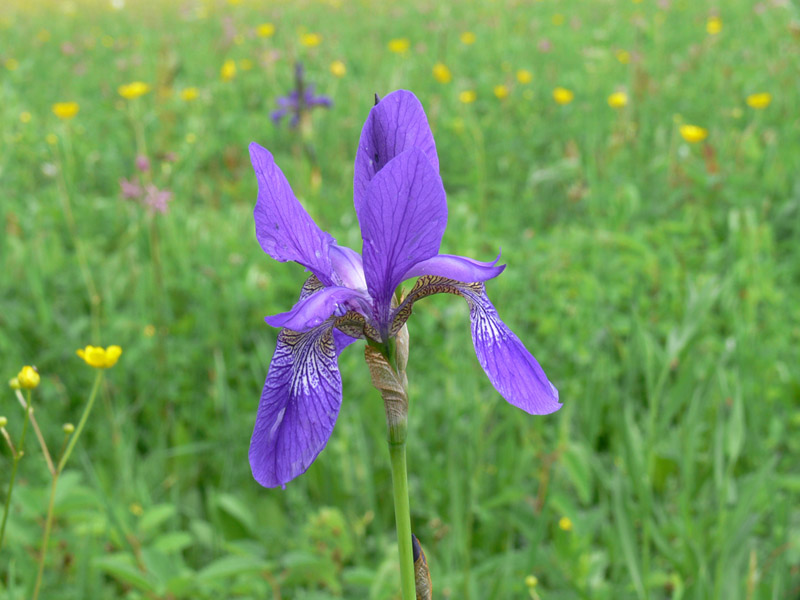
299,101
402,210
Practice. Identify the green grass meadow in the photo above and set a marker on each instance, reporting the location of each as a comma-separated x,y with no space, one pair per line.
657,282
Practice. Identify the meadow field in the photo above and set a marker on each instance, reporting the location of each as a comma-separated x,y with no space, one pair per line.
638,164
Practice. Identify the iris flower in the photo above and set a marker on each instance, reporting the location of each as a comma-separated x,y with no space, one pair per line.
299,100
402,210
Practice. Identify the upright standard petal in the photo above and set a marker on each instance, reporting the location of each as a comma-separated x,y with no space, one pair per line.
299,406
283,227
395,124
402,220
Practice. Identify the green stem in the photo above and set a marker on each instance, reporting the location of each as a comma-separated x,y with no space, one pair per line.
17,456
402,515
61,464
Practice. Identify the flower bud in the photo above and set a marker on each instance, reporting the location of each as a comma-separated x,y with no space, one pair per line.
68,428
3,421
14,383
531,581
28,377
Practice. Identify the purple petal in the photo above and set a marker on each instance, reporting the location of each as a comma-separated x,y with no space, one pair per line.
402,222
348,267
459,268
513,370
311,311
299,406
277,115
283,227
397,123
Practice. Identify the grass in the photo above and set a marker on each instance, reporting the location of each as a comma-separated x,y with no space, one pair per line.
656,281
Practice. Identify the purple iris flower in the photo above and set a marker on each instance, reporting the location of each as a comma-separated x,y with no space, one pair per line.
299,100
402,210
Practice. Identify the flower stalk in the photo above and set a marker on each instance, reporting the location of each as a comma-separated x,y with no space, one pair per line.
17,456
59,469
387,366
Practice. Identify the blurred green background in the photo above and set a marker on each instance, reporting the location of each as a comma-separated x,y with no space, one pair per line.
655,279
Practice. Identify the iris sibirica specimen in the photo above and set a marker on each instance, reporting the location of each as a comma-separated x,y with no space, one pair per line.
402,211
299,101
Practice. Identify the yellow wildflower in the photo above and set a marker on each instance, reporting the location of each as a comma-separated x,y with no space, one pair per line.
245,64
228,70
338,68
618,100
468,96
25,116
28,378
557,19
265,30
132,90
563,95
399,45
65,110
98,357
51,138
565,524
759,101
714,25
524,76
623,56
189,94
693,133
441,73
501,92
12,64
467,38
309,40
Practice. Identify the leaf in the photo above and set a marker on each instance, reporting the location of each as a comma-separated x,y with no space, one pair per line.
155,516
231,566
238,511
122,568
173,542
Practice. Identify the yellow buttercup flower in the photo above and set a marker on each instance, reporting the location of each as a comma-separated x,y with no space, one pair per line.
132,90
189,94
265,30
565,524
228,70
714,25
28,378
100,358
759,101
25,116
524,76
623,56
441,73
12,64
338,68
693,133
467,38
399,45
563,95
309,40
468,96
501,92
618,100
65,110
